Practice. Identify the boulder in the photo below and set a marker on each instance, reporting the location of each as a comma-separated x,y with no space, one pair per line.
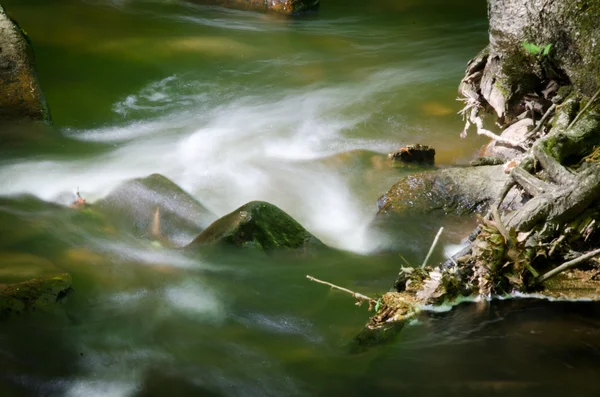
532,48
285,7
38,294
453,191
21,96
155,207
516,132
258,225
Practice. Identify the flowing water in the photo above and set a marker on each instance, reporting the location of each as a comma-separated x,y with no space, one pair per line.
237,106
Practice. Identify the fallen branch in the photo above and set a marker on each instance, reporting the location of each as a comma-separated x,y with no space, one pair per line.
359,297
568,265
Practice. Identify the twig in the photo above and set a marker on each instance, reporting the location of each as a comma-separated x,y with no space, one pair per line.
587,105
437,237
356,295
541,122
405,261
568,265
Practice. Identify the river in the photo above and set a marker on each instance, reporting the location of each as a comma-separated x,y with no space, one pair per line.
236,106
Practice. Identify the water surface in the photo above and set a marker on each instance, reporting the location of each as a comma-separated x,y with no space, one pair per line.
237,106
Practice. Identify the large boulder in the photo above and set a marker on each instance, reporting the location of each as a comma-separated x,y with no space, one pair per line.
155,207
21,96
458,191
534,44
38,294
285,7
258,225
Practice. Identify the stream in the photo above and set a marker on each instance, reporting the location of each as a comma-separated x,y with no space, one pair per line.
236,106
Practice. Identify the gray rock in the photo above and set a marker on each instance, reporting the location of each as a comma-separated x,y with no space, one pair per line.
452,191
133,205
515,132
571,27
21,96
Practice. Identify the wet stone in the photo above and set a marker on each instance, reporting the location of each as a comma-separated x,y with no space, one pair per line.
419,154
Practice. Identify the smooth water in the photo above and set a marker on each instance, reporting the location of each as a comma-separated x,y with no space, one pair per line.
237,106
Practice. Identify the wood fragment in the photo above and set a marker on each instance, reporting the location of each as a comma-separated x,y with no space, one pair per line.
568,265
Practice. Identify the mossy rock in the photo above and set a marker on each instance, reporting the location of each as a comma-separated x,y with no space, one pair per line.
258,225
132,206
38,294
458,191
21,98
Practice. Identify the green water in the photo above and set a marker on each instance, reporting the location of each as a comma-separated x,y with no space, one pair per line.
237,106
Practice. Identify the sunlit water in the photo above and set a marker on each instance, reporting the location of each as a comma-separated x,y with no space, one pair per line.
237,106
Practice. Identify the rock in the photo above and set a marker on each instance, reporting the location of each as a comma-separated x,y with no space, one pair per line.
285,7
527,51
260,225
21,96
134,204
452,190
420,154
38,294
515,132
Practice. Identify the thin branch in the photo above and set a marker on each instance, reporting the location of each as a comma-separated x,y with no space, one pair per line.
475,119
568,265
584,109
356,295
435,241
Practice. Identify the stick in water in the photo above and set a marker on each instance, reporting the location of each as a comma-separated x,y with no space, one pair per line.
435,241
358,296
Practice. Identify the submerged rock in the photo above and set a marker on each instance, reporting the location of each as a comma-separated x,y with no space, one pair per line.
285,7
156,207
259,225
453,190
21,97
38,294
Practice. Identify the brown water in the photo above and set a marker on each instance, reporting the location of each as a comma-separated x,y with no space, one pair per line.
237,106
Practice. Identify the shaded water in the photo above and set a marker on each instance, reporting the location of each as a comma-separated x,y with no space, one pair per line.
237,106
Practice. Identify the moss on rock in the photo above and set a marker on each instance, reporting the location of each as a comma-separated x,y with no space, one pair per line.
38,294
258,225
21,96
453,190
